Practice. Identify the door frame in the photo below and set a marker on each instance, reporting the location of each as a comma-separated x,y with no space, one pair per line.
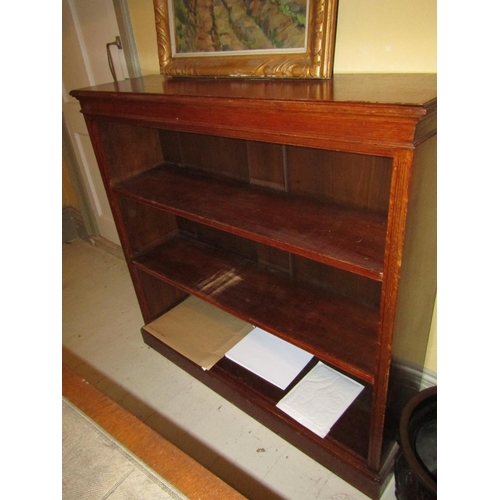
134,69
127,38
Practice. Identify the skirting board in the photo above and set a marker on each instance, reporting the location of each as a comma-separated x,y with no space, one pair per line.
429,379
107,246
73,226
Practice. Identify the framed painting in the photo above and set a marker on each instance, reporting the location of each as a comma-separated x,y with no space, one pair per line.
246,38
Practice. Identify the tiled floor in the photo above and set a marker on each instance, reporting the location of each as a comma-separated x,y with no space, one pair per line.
101,323
96,467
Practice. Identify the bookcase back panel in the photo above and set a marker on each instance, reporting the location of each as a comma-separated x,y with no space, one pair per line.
218,155
346,284
347,179
300,269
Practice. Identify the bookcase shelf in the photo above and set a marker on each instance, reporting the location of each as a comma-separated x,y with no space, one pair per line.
335,329
347,239
306,208
264,394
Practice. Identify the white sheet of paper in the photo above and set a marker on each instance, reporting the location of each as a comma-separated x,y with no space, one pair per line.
320,398
269,357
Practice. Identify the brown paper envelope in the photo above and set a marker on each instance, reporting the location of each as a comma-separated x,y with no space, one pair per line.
199,331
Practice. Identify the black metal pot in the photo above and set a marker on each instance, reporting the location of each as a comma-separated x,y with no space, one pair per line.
415,469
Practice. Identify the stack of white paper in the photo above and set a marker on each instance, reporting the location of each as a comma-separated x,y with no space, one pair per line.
320,398
269,357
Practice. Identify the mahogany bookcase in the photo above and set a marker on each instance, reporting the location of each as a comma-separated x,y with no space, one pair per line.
307,208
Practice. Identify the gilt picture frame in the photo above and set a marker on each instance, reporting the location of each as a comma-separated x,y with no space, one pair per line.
246,38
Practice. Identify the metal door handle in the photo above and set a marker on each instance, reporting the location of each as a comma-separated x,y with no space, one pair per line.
118,43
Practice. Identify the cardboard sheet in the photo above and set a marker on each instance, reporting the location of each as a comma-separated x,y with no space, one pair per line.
199,331
269,357
320,398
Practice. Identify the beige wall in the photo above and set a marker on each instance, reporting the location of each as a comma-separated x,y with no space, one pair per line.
372,36
142,15
431,356
385,36
380,36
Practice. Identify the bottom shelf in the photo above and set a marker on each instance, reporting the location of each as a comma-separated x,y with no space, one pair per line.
350,433
344,450
341,331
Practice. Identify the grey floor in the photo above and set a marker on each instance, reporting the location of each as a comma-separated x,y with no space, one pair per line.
101,334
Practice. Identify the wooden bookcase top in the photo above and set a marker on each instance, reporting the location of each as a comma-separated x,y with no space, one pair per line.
360,112
405,90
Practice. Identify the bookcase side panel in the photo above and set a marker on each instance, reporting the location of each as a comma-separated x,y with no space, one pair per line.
396,224
145,226
155,296
417,287
418,282
128,149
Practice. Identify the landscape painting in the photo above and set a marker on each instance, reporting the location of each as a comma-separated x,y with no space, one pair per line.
246,38
239,25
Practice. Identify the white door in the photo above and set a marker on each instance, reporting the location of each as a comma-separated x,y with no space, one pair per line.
87,27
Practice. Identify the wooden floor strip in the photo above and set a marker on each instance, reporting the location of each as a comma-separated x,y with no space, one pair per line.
163,457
